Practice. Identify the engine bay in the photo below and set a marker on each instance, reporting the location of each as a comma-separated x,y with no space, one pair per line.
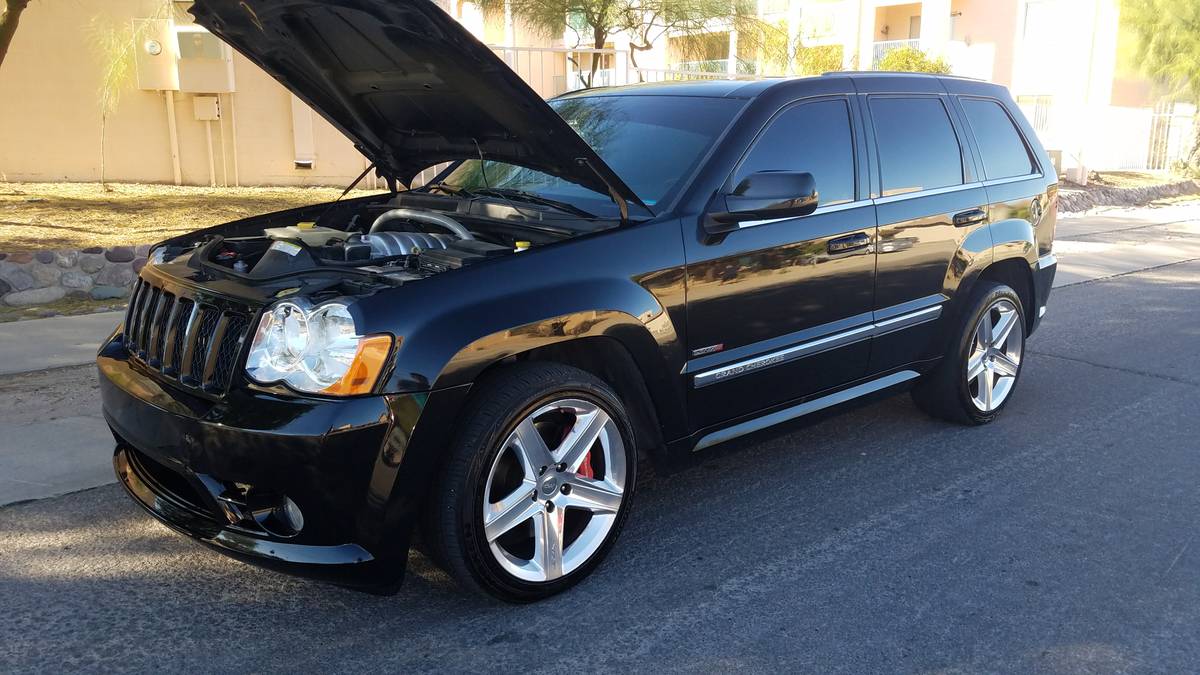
392,239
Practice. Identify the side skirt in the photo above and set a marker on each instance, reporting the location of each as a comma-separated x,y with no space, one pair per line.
802,409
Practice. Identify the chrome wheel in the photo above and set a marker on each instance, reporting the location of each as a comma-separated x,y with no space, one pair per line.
995,357
554,490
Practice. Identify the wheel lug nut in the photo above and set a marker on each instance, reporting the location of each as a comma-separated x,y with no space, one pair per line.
566,489
549,507
542,471
561,467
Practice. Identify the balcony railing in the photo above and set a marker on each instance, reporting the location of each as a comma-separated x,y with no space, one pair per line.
883,48
743,67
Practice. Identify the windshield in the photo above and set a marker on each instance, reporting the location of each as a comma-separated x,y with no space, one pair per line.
652,143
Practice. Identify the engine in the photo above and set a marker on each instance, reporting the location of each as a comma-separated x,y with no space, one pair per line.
400,244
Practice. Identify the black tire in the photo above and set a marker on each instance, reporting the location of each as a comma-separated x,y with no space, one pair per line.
945,393
454,528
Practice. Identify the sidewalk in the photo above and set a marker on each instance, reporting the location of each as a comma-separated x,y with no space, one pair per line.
39,344
53,439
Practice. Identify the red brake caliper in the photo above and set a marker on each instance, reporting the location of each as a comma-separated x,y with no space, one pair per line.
585,467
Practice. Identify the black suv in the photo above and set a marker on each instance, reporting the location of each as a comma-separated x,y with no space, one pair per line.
643,271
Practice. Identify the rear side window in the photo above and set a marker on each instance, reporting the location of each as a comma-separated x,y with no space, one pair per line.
918,149
813,137
1004,153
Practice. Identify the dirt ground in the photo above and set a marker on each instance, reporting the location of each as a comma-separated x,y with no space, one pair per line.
36,216
1125,179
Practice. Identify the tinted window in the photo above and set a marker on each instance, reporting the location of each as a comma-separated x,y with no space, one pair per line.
812,137
1003,151
918,149
652,143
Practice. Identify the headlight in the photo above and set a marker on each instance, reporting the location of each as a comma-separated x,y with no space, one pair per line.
316,350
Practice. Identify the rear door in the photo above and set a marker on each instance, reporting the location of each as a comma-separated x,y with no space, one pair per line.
1013,179
928,202
780,309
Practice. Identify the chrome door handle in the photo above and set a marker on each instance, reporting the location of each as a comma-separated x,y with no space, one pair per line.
848,243
971,217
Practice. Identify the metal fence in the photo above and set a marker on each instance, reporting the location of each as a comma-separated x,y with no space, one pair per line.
1113,138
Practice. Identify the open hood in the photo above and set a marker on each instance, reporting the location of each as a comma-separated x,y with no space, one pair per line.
408,84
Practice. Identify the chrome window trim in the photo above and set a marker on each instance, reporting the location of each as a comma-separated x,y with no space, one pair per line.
1012,179
821,210
806,408
811,347
927,193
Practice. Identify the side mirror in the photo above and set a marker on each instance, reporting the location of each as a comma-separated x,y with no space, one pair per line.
762,196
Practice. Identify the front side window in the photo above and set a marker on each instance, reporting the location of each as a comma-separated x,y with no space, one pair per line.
918,149
1000,145
813,137
653,143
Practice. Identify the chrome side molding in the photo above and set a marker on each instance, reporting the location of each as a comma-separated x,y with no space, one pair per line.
822,344
806,408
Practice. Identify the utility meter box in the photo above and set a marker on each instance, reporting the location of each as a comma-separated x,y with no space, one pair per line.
205,63
206,108
155,52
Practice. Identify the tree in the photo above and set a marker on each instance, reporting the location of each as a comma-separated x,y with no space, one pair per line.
593,22
8,24
1168,33
116,45
913,60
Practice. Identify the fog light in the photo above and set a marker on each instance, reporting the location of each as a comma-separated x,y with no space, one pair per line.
285,520
291,515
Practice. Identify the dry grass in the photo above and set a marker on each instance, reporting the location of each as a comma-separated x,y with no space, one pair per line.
36,216
65,307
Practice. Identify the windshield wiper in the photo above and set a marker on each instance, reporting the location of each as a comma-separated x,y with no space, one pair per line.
509,193
449,189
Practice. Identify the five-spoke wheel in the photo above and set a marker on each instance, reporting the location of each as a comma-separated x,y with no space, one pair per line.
995,357
553,492
977,376
538,483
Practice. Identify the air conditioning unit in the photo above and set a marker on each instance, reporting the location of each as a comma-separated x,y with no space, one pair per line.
205,63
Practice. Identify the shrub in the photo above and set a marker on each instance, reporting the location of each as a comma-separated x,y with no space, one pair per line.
913,60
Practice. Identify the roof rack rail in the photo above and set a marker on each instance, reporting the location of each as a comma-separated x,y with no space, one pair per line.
900,72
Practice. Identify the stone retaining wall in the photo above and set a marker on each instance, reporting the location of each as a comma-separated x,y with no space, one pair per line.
43,277
1083,200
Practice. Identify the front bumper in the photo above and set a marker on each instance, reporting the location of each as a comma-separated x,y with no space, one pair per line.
220,471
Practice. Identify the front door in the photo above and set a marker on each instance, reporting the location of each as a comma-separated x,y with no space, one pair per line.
781,309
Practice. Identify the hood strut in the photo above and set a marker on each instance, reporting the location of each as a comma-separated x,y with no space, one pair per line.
622,205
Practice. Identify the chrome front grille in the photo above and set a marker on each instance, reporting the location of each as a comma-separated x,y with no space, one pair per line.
193,342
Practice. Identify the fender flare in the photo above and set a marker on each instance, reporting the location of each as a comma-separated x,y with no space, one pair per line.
1009,239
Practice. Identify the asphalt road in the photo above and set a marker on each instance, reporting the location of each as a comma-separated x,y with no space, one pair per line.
1062,538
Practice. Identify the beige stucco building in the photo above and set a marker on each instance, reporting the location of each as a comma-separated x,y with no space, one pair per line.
191,111
194,112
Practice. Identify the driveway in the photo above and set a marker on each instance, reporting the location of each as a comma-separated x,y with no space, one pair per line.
1062,538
